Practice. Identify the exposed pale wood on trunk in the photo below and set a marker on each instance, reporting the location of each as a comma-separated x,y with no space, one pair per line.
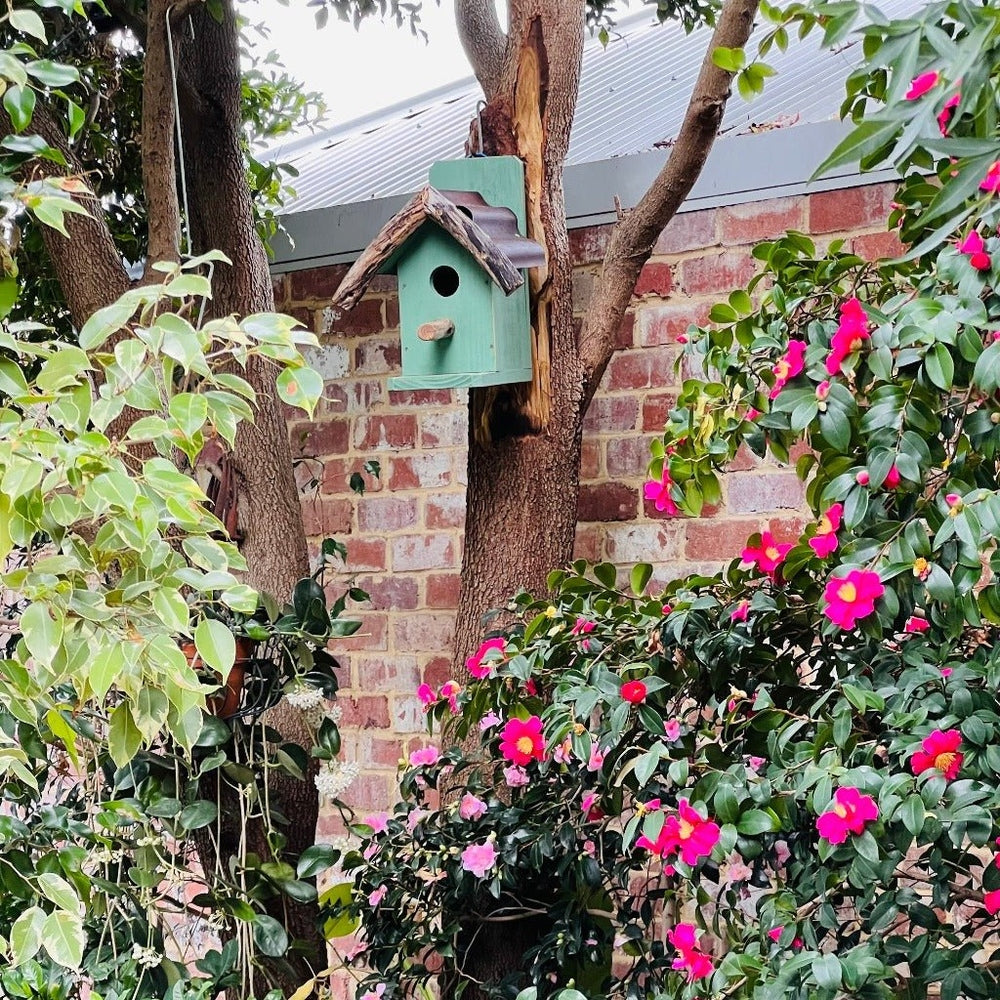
634,236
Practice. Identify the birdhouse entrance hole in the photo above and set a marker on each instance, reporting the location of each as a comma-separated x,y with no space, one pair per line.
444,281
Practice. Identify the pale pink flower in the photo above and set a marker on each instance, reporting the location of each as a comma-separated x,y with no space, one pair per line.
563,753
479,858
489,720
451,690
596,761
379,822
376,897
375,994
756,763
672,730
470,807
515,776
425,757
413,817
781,852
736,869
370,851
740,612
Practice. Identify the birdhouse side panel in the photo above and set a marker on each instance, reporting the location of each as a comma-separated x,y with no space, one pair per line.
512,326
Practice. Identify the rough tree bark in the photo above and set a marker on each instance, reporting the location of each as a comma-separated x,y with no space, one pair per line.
91,273
524,441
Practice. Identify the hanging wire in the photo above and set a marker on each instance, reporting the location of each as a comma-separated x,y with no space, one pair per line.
480,105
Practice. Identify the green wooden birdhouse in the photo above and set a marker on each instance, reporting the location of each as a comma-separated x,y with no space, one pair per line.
460,253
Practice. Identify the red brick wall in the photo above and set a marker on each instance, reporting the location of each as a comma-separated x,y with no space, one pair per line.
404,536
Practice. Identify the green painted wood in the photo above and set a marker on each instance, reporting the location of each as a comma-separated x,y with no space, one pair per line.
499,179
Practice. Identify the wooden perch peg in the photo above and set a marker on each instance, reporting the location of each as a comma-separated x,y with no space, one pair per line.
438,329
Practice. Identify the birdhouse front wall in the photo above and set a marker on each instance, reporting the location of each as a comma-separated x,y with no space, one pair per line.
439,282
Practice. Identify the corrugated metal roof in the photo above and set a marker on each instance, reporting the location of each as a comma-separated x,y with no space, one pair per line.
626,106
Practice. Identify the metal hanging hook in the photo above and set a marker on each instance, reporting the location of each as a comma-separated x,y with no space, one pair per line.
480,105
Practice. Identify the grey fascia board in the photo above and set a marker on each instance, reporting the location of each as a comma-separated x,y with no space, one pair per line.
740,169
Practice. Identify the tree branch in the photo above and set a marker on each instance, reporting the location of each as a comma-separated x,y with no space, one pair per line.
634,236
484,41
159,174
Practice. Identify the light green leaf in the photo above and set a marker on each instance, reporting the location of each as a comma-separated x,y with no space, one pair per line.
215,644
59,891
26,934
124,738
63,938
28,22
42,633
301,387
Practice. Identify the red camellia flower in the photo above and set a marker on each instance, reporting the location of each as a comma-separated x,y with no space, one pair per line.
634,692
767,556
475,663
991,900
921,84
689,958
659,493
851,811
789,366
914,624
991,182
939,751
851,597
688,832
944,118
975,248
521,741
853,330
825,540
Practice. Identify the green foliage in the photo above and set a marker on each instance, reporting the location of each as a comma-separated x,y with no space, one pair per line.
826,705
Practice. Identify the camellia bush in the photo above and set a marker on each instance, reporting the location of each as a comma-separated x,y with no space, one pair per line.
782,781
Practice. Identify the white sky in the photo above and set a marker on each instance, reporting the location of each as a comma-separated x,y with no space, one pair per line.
361,71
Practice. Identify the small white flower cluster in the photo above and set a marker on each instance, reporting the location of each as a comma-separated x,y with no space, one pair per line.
335,777
148,958
304,696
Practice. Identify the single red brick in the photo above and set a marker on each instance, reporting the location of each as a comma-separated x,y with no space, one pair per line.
363,394
628,370
721,538
424,551
607,502
377,357
443,590
628,544
612,413
589,244
717,272
323,516
687,231
387,673
392,593
365,554
757,492
305,315
590,459
628,457
743,461
430,633
420,472
421,397
446,510
363,320
367,711
331,437
383,514
315,282
371,793
333,400
393,430
437,671
850,208
392,313
447,428
761,220
589,542
373,635
656,409
337,474
787,529
878,246
654,279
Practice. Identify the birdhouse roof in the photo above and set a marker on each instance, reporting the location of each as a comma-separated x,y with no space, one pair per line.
489,234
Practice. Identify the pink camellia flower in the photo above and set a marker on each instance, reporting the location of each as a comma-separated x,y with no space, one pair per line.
849,336
414,817
756,763
893,478
582,626
944,116
426,694
851,597
470,807
824,542
488,721
775,935
451,690
851,811
563,753
425,757
740,612
479,858
921,84
781,852
530,687
379,822
939,752
689,959
823,390
475,663
521,741
862,478
376,897
591,811
688,832
659,493
375,994
975,248
596,761
946,672
789,366
991,900
672,730
634,692
515,777
767,556
914,624
953,499
991,182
